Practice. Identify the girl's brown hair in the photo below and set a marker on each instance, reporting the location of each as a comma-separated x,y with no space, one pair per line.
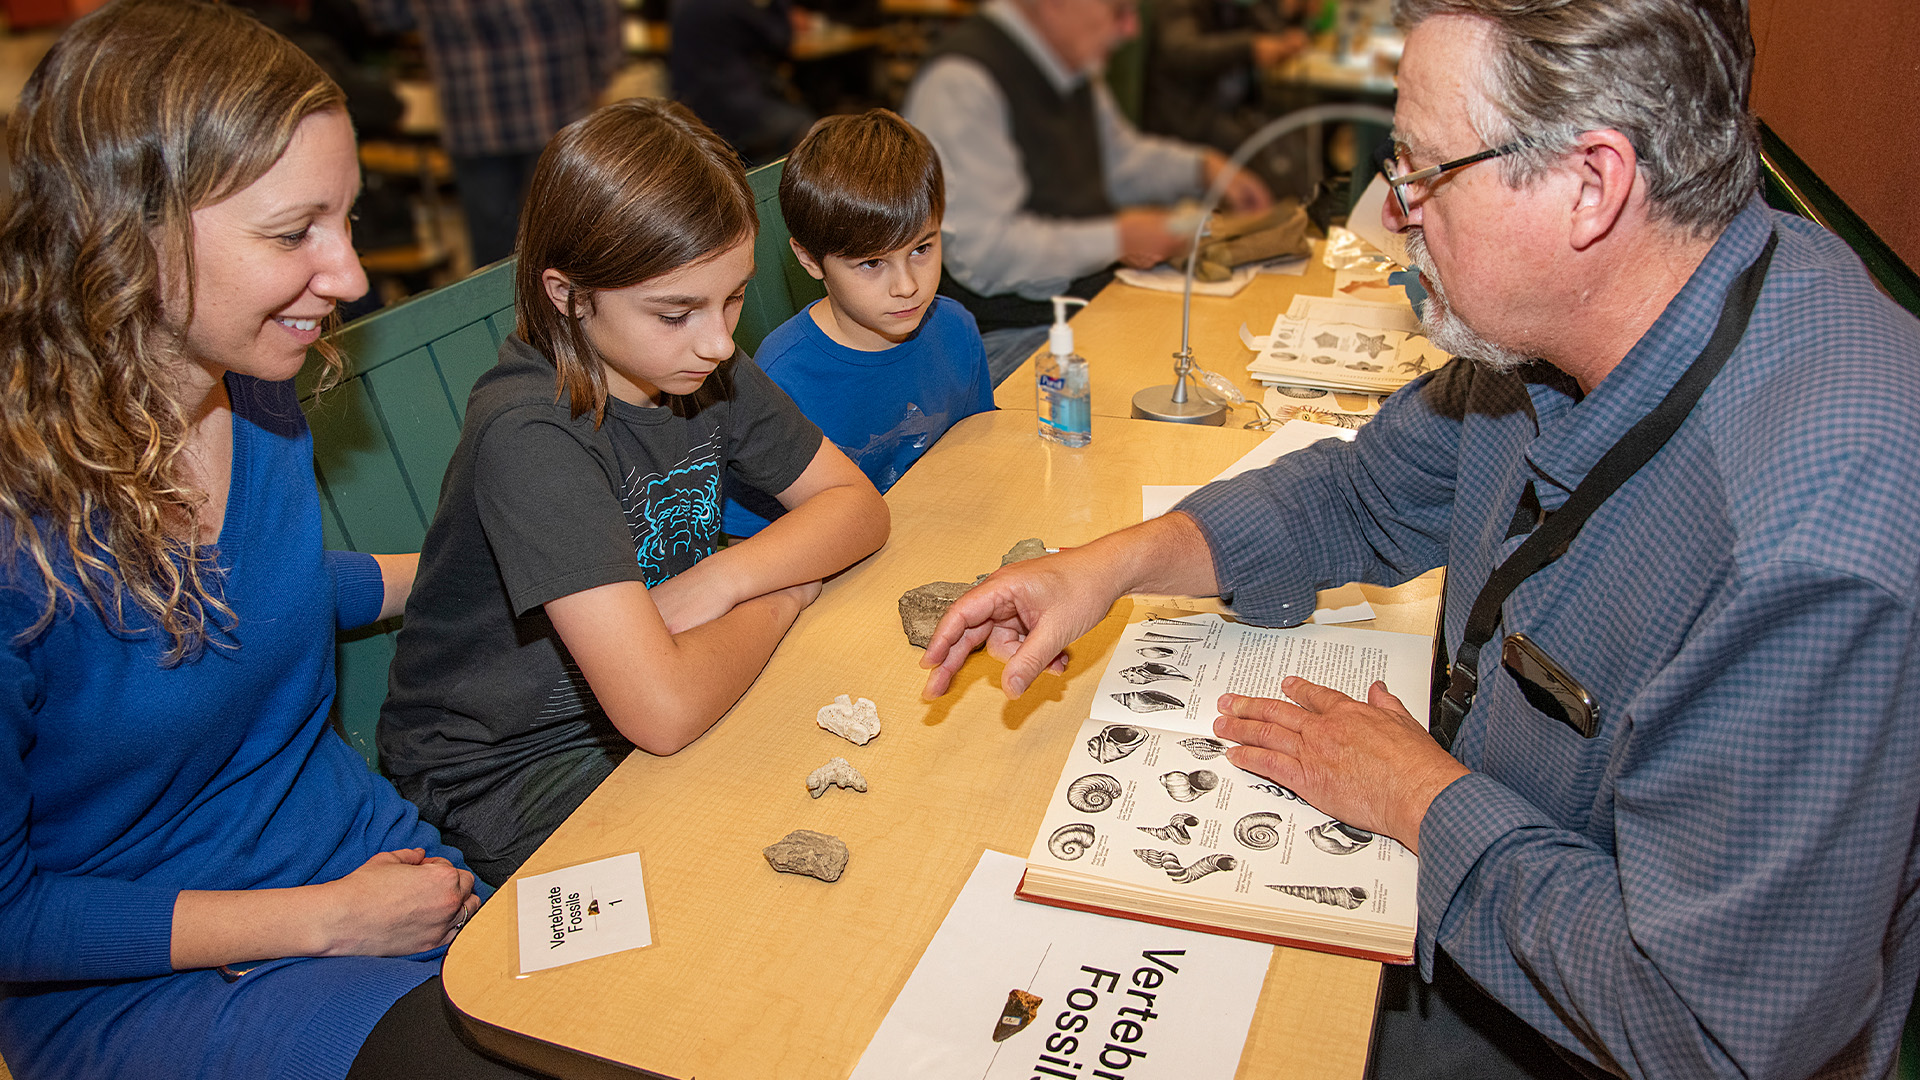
141,113
638,189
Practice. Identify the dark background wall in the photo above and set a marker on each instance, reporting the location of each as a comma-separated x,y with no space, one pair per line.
1839,82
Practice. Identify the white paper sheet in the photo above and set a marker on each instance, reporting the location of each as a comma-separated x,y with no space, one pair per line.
1169,278
941,1025
583,911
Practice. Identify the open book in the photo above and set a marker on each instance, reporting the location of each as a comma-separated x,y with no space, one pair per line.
1149,821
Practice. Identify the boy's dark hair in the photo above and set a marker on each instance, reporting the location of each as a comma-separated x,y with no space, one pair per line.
635,190
860,186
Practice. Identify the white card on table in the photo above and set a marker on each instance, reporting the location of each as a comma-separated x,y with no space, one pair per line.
583,911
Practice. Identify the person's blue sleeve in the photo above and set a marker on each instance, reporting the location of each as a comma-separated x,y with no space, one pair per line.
58,926
358,590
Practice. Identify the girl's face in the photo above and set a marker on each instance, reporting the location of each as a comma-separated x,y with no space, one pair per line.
272,260
666,334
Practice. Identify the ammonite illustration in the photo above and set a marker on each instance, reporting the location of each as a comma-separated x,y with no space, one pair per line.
1149,701
1338,838
1152,672
1115,741
1071,841
1259,831
1093,793
1155,635
1326,894
1275,789
1187,787
1203,748
1155,652
1175,829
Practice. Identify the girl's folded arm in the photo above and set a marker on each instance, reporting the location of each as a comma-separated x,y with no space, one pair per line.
834,519
662,690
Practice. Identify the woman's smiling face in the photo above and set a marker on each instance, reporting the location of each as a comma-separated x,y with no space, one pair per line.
271,260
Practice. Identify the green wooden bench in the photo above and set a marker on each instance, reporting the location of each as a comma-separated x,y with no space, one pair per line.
382,438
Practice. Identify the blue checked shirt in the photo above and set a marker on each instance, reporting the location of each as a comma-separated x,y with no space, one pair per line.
509,73
1722,882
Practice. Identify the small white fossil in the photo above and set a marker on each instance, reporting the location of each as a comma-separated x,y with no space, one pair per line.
836,773
855,721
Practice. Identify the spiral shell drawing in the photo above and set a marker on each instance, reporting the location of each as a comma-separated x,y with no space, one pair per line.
1153,672
1155,652
1349,898
1114,742
1186,787
1159,860
1275,789
1205,749
1071,841
1204,867
1259,831
1338,838
1175,829
1093,793
1149,701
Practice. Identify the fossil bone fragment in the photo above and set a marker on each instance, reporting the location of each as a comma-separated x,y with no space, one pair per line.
1019,1011
1149,701
1259,831
1338,838
1115,741
1093,793
855,721
836,773
1071,841
1152,671
804,851
1348,898
1175,829
1186,787
1203,748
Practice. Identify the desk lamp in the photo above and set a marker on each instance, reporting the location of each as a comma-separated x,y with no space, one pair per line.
1172,403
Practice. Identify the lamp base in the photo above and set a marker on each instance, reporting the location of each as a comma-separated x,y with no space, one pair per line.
1156,403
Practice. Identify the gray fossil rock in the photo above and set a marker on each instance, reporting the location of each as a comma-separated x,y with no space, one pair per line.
804,851
921,608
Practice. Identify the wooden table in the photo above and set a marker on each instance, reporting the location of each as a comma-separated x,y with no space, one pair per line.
755,974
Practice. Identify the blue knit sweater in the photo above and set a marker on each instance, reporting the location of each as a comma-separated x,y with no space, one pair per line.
123,782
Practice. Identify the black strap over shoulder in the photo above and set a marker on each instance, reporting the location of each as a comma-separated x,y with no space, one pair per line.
1638,446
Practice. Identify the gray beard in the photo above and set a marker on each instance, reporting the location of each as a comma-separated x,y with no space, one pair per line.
1446,329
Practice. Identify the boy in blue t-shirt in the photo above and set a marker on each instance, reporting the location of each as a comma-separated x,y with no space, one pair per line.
883,364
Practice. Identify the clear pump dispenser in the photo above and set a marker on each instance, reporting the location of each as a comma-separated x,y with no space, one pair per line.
1063,394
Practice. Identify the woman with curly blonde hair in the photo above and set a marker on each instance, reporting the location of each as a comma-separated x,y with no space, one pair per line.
182,838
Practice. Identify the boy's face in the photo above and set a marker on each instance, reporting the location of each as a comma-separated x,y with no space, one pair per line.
875,303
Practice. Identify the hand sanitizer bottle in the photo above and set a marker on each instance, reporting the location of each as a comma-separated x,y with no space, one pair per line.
1064,396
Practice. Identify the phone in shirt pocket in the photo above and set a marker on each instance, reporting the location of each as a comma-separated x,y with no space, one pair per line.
1548,687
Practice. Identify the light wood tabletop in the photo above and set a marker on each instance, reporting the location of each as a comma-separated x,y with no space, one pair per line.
758,974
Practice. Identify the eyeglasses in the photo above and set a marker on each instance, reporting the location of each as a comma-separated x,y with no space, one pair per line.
1420,180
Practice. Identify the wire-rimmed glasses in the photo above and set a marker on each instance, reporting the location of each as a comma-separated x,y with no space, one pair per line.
1399,180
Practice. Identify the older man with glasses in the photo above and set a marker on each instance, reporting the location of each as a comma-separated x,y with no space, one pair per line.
1667,810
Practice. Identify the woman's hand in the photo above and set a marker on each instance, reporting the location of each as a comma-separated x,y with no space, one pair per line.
396,903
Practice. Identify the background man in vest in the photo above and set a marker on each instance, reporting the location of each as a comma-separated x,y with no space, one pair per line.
1712,870
1048,184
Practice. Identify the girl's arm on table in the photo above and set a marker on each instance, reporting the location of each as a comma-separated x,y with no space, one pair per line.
834,519
662,689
